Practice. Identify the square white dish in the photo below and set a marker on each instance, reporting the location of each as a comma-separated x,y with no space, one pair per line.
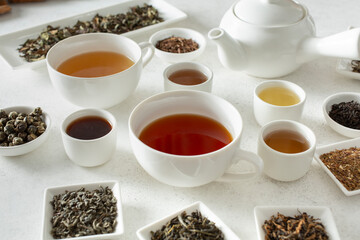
144,232
9,43
344,68
263,213
48,209
337,146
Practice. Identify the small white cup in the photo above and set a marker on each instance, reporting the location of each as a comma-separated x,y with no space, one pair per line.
193,170
170,85
265,112
98,92
286,166
94,152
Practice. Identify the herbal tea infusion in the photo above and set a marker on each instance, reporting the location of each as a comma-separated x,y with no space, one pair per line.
95,64
279,96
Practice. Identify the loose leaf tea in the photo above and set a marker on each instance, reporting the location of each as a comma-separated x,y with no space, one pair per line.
355,64
19,128
345,165
82,213
346,114
184,226
138,17
177,45
299,227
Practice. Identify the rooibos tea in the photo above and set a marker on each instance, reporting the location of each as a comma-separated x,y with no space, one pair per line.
95,64
185,134
188,77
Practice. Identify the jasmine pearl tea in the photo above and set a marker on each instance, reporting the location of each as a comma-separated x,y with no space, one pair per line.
95,64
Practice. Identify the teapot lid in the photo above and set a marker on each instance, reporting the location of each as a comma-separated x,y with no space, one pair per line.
269,12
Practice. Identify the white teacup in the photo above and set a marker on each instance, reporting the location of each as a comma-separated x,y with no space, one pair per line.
286,166
170,85
94,152
193,170
265,112
97,92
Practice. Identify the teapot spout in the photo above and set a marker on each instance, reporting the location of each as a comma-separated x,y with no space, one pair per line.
342,45
231,52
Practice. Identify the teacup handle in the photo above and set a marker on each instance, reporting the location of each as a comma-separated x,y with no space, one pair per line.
249,157
146,57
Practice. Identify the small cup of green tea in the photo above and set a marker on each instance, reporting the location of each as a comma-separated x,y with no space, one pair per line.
287,148
188,76
278,99
89,136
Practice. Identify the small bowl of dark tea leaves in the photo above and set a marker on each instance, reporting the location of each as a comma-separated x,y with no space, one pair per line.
195,221
178,44
22,129
304,222
342,113
83,211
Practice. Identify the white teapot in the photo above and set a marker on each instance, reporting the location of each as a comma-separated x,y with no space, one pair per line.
272,38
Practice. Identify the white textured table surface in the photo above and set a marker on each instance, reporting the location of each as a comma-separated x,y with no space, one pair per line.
23,179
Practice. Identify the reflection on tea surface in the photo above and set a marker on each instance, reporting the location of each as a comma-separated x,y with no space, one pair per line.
95,64
185,134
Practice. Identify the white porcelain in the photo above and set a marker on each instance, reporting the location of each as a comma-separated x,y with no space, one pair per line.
94,152
286,166
336,99
29,146
263,213
170,85
265,112
11,41
272,38
50,192
178,32
332,147
98,92
194,170
144,232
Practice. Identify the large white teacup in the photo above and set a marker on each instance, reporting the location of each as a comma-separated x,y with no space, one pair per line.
193,170
97,92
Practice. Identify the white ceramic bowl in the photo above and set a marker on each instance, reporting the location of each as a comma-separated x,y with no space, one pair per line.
171,86
29,146
48,209
178,32
144,232
335,99
263,213
332,147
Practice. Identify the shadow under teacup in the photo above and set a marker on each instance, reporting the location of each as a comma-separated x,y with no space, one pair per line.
188,170
89,136
287,148
276,100
188,76
97,70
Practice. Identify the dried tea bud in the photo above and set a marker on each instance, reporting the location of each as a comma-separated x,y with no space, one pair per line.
13,115
29,119
3,114
21,126
40,129
4,144
32,129
2,136
22,135
17,141
3,121
9,128
11,137
10,122
31,137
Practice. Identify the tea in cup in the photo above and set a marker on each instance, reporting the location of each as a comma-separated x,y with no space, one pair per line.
97,69
287,148
189,138
89,136
278,99
188,76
